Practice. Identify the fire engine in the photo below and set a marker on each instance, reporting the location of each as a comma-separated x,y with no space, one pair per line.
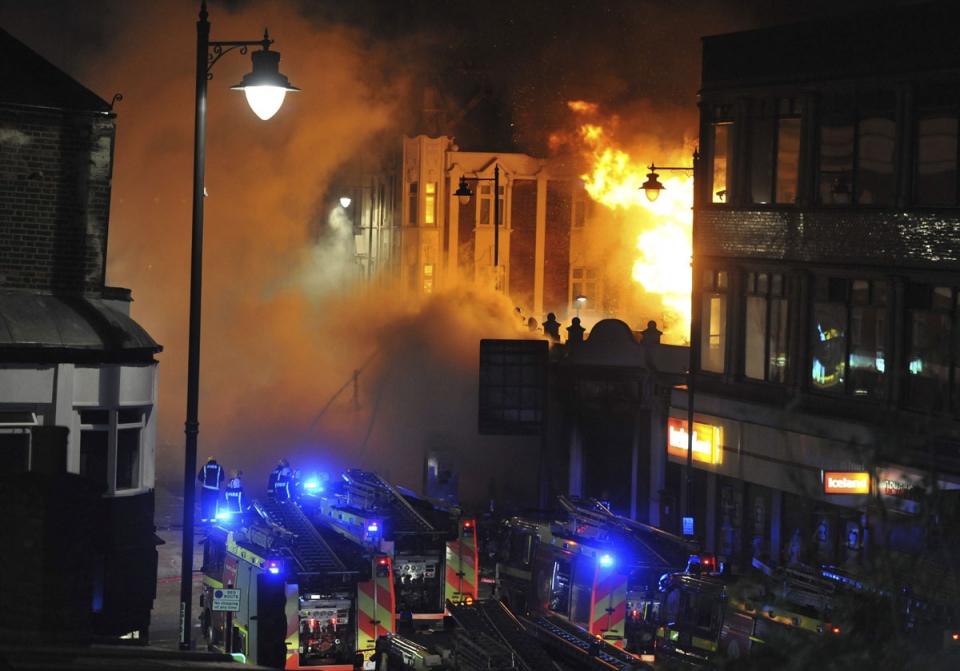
433,547
704,617
589,568
279,592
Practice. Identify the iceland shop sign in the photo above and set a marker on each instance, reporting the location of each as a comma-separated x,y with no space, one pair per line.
846,482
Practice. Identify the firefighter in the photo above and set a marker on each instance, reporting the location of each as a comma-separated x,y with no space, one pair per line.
274,477
236,501
283,488
210,476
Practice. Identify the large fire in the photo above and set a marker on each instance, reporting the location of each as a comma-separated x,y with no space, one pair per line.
664,242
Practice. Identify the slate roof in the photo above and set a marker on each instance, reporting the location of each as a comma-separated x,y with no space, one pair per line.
26,78
33,322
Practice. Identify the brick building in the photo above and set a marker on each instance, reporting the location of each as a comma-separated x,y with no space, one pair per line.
826,283
78,377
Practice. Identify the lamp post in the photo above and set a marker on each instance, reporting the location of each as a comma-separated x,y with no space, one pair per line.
464,194
362,204
581,299
652,188
265,89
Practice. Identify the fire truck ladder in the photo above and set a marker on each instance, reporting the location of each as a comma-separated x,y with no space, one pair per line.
804,588
595,521
491,620
574,643
307,546
374,492
590,514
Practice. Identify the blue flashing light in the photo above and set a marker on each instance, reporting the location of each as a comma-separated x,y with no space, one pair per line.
606,560
373,527
274,566
312,484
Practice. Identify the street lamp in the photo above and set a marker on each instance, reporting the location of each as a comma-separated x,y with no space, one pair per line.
652,187
464,194
265,89
581,299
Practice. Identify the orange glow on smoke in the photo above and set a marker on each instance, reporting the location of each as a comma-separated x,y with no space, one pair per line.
664,248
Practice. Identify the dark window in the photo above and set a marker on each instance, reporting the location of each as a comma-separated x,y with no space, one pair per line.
14,450
935,176
128,458
849,337
856,154
933,370
94,446
774,151
414,200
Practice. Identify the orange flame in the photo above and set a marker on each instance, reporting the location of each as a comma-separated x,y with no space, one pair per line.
664,243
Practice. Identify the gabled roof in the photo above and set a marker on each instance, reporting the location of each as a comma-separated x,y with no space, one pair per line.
26,78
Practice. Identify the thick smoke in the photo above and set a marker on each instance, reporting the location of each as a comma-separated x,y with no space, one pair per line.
286,321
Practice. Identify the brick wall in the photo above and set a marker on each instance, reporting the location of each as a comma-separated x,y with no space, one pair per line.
523,243
556,267
55,176
850,236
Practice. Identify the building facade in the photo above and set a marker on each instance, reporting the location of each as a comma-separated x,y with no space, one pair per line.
825,292
78,376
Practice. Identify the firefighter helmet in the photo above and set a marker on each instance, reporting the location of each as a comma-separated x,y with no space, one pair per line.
234,473
283,463
210,460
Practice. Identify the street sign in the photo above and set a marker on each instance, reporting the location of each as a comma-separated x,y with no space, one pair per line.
226,599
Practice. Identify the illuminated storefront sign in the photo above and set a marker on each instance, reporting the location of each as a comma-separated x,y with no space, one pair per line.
905,490
846,482
707,447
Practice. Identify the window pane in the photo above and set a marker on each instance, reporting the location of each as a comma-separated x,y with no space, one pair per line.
836,155
485,217
867,344
721,155
430,213
755,338
777,371
93,456
713,332
414,204
128,458
14,451
788,160
579,213
94,416
928,372
829,348
129,416
875,162
761,160
936,178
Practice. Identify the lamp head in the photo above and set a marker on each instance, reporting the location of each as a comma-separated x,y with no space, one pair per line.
264,86
581,299
463,192
652,187
345,201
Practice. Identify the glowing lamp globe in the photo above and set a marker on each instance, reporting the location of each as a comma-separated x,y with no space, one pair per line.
265,87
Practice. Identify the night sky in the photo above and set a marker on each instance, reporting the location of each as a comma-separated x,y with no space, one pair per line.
284,326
